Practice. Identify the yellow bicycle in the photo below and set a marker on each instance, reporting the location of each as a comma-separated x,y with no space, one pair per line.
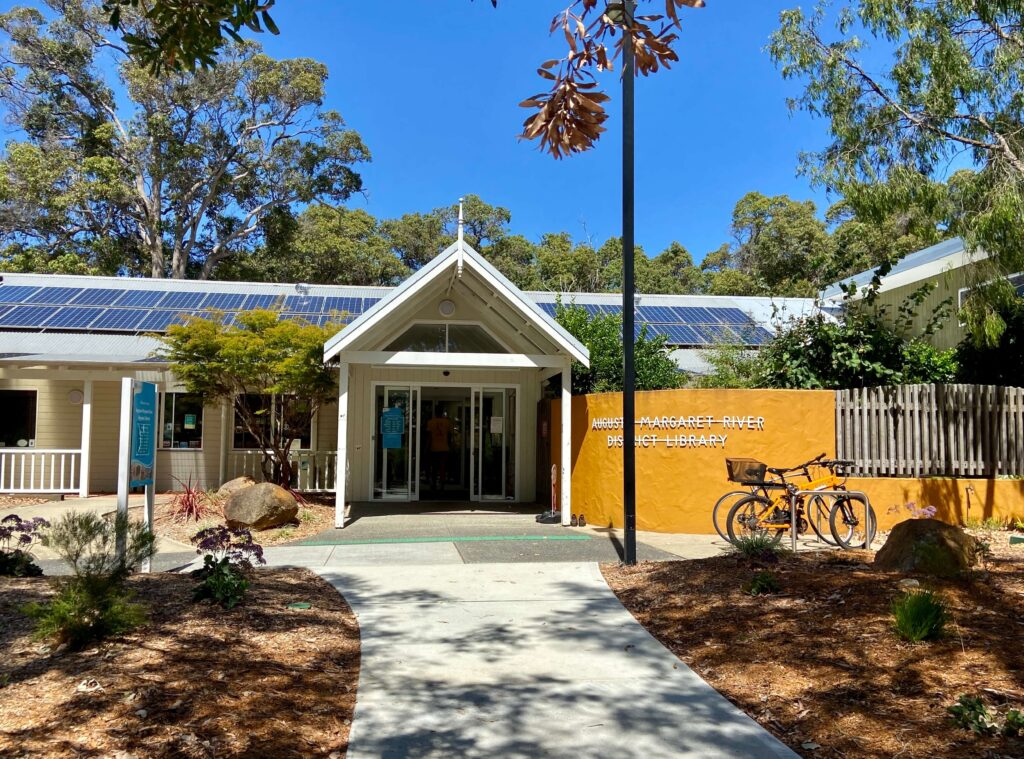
769,510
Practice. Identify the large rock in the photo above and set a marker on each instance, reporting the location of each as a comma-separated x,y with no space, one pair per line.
231,487
261,507
928,546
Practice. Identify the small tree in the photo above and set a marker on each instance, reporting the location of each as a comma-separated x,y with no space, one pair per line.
261,354
602,334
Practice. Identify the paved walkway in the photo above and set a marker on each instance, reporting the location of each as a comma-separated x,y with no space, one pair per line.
523,660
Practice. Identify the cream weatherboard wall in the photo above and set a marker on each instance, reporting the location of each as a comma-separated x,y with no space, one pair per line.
59,425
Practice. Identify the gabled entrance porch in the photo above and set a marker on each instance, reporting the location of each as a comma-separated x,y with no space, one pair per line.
438,390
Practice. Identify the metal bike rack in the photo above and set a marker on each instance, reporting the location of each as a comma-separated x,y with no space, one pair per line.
853,495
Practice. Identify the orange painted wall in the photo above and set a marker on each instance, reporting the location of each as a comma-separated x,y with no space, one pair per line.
677,486
956,500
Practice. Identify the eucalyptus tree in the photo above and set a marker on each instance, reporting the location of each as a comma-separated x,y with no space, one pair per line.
910,88
167,175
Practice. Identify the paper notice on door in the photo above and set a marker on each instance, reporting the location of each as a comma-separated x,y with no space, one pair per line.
497,425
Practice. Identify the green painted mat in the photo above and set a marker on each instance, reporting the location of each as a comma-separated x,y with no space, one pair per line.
478,539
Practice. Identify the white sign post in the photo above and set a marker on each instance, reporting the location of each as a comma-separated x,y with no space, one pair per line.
137,451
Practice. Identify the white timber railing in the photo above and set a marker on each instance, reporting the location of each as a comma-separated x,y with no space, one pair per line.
40,470
312,471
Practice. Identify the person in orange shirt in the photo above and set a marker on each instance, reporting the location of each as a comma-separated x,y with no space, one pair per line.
439,429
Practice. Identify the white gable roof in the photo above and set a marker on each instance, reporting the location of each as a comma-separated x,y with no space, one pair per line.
457,256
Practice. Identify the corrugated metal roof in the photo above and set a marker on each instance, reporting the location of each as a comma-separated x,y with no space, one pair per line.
25,348
945,249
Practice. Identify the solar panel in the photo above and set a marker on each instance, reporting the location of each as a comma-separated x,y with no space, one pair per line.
316,320
368,302
136,298
548,308
27,316
73,317
304,304
16,293
97,296
158,321
56,295
224,301
181,299
346,304
120,319
257,301
656,315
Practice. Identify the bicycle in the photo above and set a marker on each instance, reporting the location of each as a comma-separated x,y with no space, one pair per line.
754,479
760,514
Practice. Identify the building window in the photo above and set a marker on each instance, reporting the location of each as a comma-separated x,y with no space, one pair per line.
446,338
183,421
18,411
259,406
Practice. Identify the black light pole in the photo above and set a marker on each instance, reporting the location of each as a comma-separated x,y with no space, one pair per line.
625,10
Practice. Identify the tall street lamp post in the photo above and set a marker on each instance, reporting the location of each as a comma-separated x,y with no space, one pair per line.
621,12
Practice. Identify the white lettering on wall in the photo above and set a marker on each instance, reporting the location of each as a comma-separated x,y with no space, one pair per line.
657,431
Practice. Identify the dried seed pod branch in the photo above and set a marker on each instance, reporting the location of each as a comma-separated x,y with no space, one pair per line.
569,117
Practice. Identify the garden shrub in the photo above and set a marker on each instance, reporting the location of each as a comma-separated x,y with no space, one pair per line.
93,602
760,546
17,537
227,564
919,615
763,584
970,713
191,503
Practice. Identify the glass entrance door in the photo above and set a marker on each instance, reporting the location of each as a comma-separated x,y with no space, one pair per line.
494,444
394,443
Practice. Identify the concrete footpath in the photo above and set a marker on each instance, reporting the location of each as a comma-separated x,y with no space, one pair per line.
523,660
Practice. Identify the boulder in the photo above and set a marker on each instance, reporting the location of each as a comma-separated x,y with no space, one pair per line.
261,507
231,487
928,546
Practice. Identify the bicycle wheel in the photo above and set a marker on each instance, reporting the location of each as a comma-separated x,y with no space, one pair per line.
747,515
722,508
819,512
853,523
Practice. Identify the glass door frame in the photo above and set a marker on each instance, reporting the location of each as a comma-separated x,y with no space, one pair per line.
415,389
412,432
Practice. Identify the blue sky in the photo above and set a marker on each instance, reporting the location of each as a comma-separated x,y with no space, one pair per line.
433,86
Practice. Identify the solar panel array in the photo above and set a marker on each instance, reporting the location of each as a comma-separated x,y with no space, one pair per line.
686,325
107,309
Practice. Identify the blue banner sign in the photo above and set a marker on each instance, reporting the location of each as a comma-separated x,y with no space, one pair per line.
143,434
392,427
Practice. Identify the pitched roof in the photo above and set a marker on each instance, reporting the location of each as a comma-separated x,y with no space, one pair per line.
456,256
914,267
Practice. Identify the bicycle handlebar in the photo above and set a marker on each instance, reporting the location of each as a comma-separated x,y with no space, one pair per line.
815,460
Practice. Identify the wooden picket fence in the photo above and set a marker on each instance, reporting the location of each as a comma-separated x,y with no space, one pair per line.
932,430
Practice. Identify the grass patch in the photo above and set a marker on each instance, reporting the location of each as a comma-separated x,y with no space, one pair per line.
758,546
919,615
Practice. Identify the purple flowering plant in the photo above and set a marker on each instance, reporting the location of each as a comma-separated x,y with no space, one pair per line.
222,544
916,512
20,534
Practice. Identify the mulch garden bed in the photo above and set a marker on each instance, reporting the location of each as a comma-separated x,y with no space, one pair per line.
11,503
315,516
819,665
196,681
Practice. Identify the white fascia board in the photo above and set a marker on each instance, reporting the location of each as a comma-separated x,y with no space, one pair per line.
455,360
432,271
